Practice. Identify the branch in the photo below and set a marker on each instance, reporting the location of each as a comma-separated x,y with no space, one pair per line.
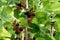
26,4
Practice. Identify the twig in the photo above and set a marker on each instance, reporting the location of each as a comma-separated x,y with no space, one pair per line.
26,4
26,18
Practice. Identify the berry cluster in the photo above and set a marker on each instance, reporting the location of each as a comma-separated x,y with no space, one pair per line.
30,15
16,27
20,5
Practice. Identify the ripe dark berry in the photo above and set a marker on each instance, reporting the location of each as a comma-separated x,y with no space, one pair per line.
34,38
17,24
17,38
51,17
17,31
14,22
21,4
6,28
52,23
54,33
28,14
18,8
18,4
29,20
21,28
15,28
33,14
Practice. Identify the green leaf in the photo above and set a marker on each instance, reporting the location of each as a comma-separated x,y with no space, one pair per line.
35,20
4,33
4,15
23,21
16,13
34,27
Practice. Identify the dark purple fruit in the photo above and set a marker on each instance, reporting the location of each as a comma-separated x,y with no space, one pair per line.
17,31
18,4
33,14
30,39
17,38
34,38
29,20
52,23
6,28
14,22
18,8
17,24
51,17
15,28
21,28
28,14
54,33
21,4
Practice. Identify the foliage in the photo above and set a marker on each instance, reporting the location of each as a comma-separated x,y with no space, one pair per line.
42,16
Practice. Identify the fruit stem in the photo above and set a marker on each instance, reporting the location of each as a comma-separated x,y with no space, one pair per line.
26,28
23,35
